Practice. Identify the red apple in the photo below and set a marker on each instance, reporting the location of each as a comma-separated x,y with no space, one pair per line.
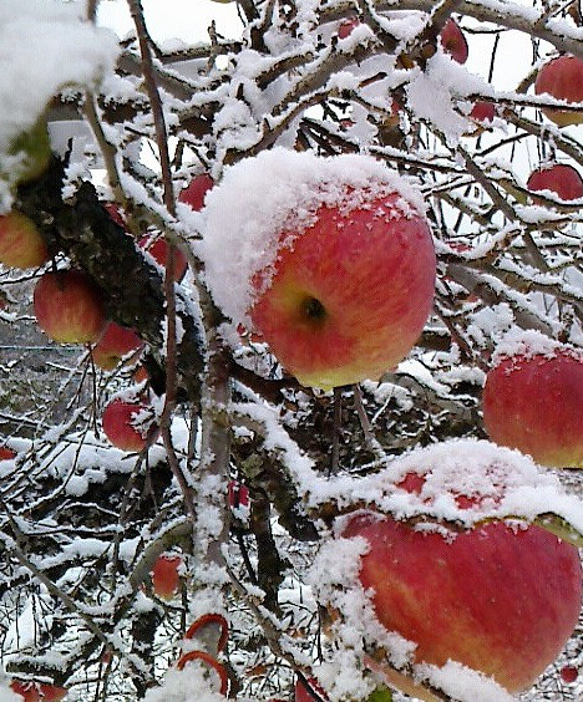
569,674
165,576
127,424
115,343
346,27
6,453
238,495
562,79
483,111
194,193
498,598
533,402
21,243
559,178
158,249
349,298
38,692
454,41
69,307
301,694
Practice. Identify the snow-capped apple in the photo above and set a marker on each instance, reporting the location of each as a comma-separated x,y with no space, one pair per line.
569,674
195,192
166,576
69,307
129,424
499,597
32,691
115,343
560,178
453,41
562,79
157,247
21,243
333,262
532,401
33,147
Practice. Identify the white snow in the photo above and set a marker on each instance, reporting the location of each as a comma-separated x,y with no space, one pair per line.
44,47
529,343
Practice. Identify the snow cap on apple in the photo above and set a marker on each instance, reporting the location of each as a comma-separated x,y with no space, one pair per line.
533,398
331,260
468,596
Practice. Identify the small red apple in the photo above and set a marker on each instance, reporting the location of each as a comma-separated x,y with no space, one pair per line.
115,343
158,249
7,454
483,111
533,402
194,193
21,243
127,424
498,598
238,495
349,298
69,307
38,692
316,692
562,79
559,178
569,674
165,576
346,27
454,41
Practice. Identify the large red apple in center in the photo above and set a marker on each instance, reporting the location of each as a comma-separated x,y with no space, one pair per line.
533,401
330,261
350,296
499,598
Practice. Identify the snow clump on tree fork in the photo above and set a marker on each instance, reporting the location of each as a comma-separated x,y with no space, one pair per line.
321,269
